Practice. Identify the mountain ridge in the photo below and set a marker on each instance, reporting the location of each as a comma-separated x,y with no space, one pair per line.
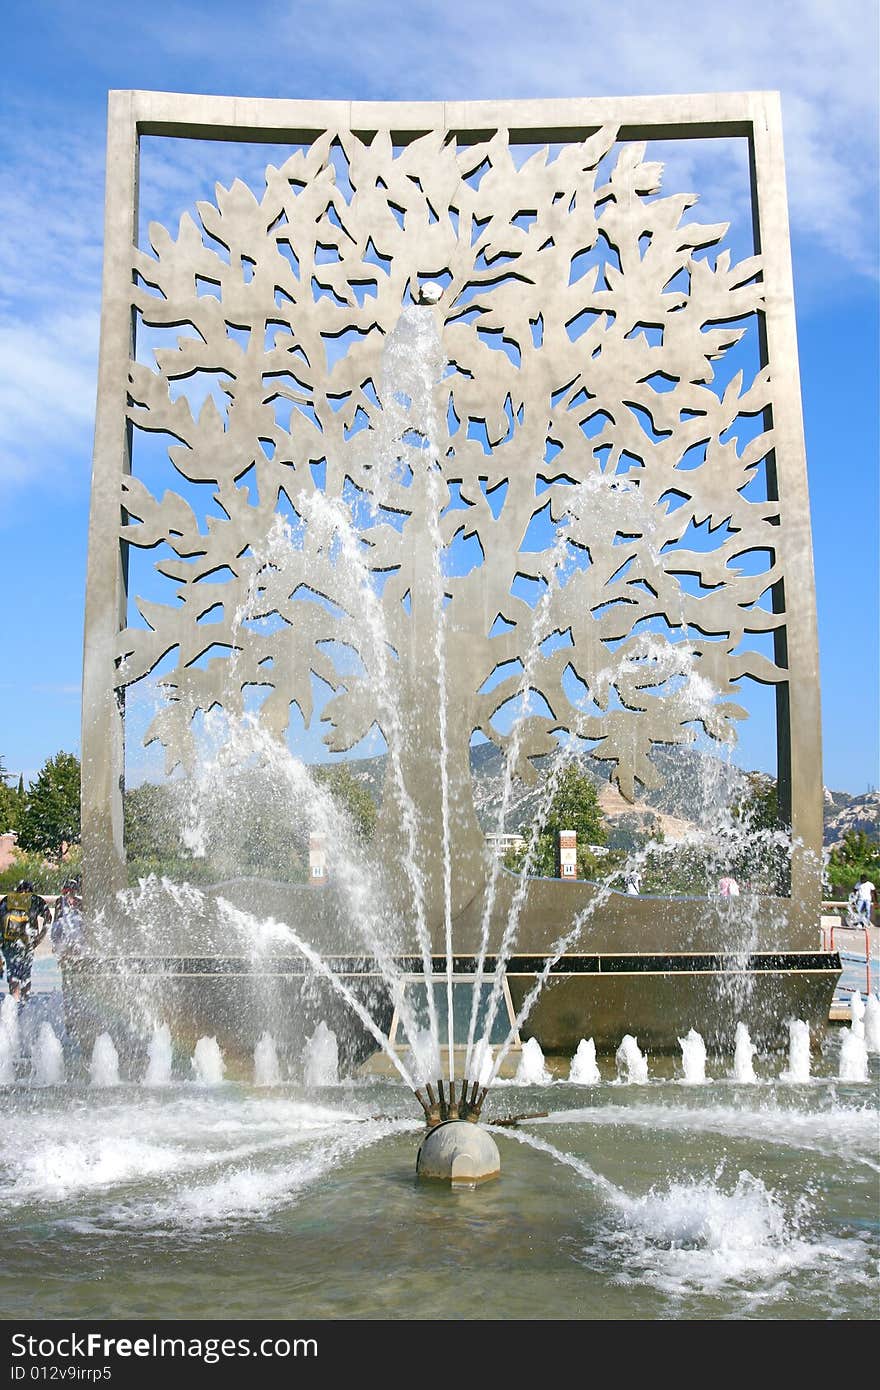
690,779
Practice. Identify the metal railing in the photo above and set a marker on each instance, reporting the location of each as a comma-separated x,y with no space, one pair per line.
831,941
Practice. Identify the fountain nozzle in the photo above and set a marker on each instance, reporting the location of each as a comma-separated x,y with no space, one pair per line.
456,1148
430,1106
473,1103
429,293
466,1106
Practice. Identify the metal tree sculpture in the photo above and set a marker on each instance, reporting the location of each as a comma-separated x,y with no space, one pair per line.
563,384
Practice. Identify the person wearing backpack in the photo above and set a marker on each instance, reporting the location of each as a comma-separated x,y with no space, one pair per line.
24,921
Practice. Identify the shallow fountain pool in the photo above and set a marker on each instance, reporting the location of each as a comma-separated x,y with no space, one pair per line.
654,1200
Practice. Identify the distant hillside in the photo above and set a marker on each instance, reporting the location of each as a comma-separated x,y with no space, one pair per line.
691,779
844,812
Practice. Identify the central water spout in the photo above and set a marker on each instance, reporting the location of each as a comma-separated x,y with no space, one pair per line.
456,1148
429,293
439,1110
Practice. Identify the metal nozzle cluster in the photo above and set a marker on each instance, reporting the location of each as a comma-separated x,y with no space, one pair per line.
439,1108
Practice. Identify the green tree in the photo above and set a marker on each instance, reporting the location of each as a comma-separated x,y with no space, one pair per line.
857,856
351,795
11,802
50,821
249,830
758,805
152,832
760,857
575,806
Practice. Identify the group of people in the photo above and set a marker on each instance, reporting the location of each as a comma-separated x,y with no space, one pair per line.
727,885
25,918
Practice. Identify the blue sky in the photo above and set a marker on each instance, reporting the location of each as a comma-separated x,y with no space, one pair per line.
59,61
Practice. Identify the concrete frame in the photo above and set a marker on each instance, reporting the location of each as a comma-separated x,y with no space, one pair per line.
755,116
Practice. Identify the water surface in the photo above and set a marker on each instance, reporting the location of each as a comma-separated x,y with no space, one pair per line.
657,1200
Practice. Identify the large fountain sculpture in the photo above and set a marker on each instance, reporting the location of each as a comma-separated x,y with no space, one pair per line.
470,454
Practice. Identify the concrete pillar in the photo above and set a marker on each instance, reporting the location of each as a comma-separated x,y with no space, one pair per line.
567,854
317,860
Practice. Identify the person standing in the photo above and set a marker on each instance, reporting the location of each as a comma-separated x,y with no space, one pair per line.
728,887
67,926
24,921
864,894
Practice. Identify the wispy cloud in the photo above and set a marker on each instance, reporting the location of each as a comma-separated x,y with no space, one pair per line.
51,214
822,57
45,688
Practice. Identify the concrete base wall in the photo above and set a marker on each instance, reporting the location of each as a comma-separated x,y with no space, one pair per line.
658,999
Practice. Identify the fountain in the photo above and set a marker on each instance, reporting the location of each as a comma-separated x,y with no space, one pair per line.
459,1153
693,1058
104,1064
857,1014
321,1058
9,1040
743,1056
207,1062
853,1056
456,454
47,1060
632,1064
798,1052
532,1070
469,454
267,1070
160,1055
584,1069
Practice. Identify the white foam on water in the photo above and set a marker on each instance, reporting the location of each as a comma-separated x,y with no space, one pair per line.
47,1058
104,1066
743,1056
159,1054
321,1058
250,1191
693,1057
531,1070
632,1064
93,1149
63,1169
208,1063
267,1069
798,1068
872,1023
706,1235
853,1065
584,1070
